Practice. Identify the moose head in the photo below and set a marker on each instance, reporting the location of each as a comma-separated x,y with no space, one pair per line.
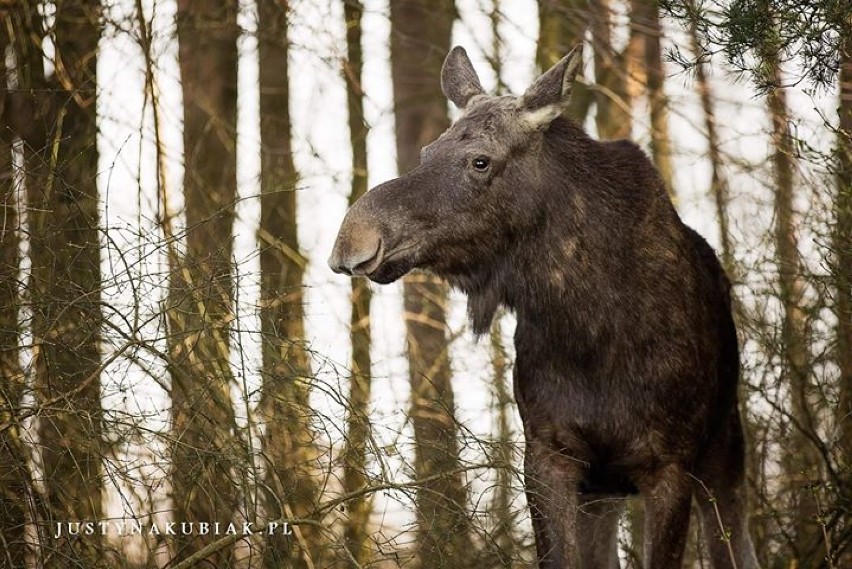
475,189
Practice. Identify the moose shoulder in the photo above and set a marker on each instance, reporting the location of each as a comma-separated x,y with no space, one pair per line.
627,358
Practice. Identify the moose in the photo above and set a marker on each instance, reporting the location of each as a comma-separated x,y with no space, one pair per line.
627,359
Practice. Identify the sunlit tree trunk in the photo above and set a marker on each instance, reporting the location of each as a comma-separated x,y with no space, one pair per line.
358,421
801,462
420,39
563,25
204,446
291,475
613,118
645,23
842,246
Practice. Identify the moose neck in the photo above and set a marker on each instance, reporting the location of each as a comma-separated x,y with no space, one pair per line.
562,291
575,274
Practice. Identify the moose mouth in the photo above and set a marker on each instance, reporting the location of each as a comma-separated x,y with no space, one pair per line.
381,264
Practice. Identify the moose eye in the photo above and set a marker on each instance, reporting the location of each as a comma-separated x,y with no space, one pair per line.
481,163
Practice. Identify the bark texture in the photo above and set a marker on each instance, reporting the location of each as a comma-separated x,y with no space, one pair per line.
420,39
801,460
204,444
288,443
358,421
55,117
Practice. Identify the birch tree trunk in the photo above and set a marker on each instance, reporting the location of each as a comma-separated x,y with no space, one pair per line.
14,472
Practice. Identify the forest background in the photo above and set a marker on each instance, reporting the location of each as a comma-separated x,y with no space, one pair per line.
174,348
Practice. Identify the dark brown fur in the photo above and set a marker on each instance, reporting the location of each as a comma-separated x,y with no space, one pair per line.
627,358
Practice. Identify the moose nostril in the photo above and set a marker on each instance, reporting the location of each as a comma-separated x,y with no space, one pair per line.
356,256
342,269
364,260
337,264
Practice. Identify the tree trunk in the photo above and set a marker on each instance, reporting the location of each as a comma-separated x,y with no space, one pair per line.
645,23
718,183
614,116
358,422
563,25
14,472
504,521
56,119
290,478
420,39
204,445
842,245
801,461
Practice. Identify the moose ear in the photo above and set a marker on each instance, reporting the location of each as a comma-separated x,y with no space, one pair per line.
548,96
458,79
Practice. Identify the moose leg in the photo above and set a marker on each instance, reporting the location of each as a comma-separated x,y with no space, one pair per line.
551,481
720,495
668,497
543,544
597,528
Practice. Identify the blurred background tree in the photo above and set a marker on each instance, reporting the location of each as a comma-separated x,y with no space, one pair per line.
51,114
420,39
205,446
291,485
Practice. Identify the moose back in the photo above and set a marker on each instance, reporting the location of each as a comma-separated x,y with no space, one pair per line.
627,358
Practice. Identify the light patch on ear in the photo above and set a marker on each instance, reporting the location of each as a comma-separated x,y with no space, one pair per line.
473,101
540,118
550,94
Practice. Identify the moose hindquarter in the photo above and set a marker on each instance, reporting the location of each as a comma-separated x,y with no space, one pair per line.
593,439
576,503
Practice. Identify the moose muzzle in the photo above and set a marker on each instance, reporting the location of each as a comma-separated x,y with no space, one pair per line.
358,250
